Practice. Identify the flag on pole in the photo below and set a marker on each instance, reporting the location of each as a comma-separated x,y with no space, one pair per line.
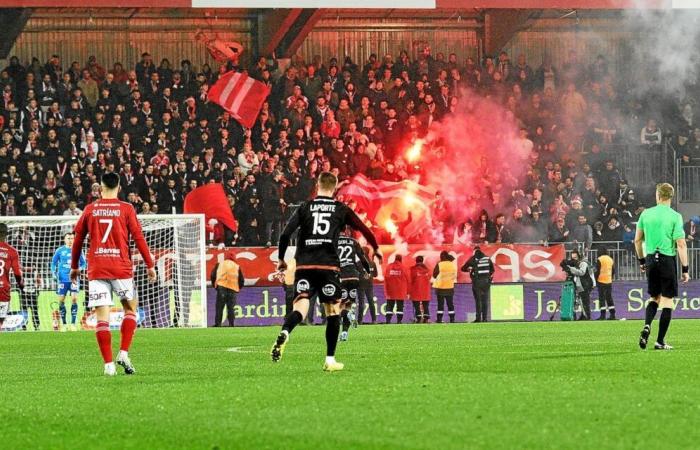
240,95
211,201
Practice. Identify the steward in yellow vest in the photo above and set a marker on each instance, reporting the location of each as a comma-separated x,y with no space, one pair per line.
227,278
444,279
604,273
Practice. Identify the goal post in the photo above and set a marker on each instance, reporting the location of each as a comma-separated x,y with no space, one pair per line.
178,298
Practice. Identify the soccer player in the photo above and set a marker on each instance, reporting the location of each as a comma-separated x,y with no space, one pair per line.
352,261
110,222
319,222
658,239
9,262
60,268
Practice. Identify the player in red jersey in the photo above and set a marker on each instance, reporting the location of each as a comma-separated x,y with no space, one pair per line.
9,262
110,222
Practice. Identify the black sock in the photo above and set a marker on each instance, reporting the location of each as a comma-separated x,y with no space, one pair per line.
292,320
332,332
452,317
664,322
612,311
651,313
346,320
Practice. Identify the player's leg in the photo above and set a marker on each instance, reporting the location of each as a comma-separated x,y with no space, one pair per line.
666,304
74,308
654,287
125,290
24,307
344,309
302,292
62,305
101,301
4,308
34,304
332,330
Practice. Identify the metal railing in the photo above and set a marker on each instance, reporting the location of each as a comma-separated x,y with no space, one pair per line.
643,165
688,182
626,263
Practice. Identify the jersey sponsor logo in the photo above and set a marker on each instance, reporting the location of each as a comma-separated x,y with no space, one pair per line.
303,286
343,294
116,315
353,294
107,251
328,290
95,296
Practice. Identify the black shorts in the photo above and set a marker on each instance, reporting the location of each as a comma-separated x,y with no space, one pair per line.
349,289
324,283
662,275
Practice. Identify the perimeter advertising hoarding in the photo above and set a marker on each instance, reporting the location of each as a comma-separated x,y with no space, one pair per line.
265,305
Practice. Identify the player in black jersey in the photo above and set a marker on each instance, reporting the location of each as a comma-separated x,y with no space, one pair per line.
319,222
352,262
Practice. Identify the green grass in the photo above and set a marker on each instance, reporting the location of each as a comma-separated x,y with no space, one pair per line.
509,385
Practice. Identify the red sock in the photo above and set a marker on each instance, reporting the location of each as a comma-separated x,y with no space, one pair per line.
104,340
128,330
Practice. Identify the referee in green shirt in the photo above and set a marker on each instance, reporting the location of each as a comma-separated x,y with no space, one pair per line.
659,238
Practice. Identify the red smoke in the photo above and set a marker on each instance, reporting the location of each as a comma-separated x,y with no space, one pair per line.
475,158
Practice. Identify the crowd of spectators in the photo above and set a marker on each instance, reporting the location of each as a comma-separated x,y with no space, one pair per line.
153,124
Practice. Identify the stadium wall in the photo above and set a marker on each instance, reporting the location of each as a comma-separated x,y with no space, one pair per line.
261,306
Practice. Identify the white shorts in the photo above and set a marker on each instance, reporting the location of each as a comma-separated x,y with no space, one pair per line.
101,291
4,308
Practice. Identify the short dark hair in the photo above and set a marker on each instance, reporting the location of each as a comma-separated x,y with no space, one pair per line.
419,259
110,180
327,181
70,233
3,231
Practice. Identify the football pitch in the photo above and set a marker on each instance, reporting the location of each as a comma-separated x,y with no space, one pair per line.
507,385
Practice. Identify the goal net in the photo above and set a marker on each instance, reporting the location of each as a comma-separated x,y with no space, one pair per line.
176,299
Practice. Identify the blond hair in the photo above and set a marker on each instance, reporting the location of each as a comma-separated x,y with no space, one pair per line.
327,181
664,191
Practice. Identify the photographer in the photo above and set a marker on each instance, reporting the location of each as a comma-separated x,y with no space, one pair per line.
578,270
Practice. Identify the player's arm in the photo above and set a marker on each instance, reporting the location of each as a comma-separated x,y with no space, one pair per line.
80,232
286,236
362,257
17,271
639,243
682,248
134,229
54,263
355,222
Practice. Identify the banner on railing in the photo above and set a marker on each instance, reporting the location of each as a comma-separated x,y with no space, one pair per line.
514,263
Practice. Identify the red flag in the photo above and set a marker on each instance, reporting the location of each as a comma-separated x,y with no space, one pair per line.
240,95
211,200
384,199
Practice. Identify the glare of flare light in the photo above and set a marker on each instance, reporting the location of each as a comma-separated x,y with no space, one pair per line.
390,226
413,153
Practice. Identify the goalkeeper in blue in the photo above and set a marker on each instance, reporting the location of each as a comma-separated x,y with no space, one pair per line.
60,268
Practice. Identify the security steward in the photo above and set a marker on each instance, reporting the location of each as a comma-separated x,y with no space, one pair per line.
419,291
227,278
445,276
604,273
481,269
659,238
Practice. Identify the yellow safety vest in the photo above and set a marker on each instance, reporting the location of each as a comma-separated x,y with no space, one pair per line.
606,269
227,275
447,277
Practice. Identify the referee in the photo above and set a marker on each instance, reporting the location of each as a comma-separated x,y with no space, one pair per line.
659,237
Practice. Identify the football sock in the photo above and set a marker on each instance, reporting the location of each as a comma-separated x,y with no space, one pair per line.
346,319
127,331
664,322
104,340
73,313
62,311
292,320
452,316
612,311
332,332
439,316
650,313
